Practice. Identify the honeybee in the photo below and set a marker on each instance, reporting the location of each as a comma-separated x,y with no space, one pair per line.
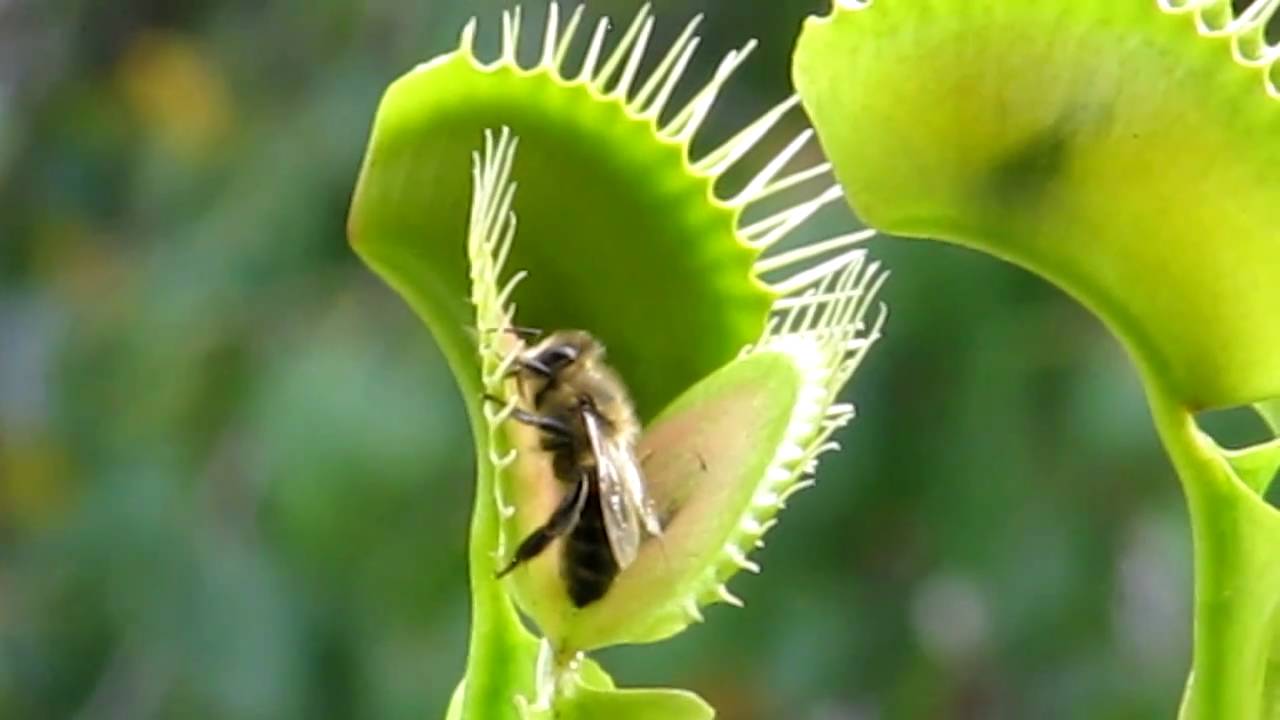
586,422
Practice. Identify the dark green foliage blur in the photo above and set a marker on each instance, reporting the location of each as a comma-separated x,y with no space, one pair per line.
235,474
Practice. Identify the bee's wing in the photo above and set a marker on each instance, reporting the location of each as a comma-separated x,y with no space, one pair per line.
633,486
620,521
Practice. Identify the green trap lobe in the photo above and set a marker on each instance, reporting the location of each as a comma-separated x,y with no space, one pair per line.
1102,144
618,235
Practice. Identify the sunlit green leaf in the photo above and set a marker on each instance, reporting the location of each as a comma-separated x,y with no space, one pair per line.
1126,151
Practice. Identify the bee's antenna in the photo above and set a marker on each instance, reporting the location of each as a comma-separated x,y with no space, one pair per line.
520,331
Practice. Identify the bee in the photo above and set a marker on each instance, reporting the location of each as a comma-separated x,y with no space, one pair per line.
585,420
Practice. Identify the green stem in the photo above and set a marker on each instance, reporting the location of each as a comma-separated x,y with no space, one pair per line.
1237,567
502,653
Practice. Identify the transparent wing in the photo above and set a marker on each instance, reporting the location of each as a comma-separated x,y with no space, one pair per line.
621,523
633,486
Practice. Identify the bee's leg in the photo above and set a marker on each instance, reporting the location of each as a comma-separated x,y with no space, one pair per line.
529,364
560,522
556,443
521,366
545,424
524,333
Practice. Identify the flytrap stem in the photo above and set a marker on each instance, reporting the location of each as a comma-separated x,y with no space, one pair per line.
1236,535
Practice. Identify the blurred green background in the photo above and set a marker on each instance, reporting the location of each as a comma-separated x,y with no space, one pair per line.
235,474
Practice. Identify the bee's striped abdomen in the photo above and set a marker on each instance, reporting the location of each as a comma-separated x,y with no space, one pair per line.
588,565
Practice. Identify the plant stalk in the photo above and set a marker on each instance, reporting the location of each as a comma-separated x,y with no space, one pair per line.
501,653
1236,538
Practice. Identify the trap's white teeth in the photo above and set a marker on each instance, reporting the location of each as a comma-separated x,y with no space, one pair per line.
500,416
722,592
549,35
811,276
619,71
765,498
765,233
686,122
490,234
762,184
504,296
633,61
776,475
790,452
805,428
1249,43
818,335
570,29
466,43
829,446
510,34
807,252
495,378
668,70
659,104
795,488
623,48
1247,31
740,559
722,158
593,51
814,397
692,610
840,410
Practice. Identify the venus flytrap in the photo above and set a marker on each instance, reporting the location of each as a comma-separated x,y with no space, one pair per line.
721,461
1129,152
733,351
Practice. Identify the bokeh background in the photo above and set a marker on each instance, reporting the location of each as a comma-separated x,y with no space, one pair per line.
235,474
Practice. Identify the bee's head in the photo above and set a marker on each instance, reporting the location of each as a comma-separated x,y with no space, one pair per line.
561,350
556,357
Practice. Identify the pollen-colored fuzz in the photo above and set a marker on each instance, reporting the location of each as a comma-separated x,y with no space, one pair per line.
1126,150
721,460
